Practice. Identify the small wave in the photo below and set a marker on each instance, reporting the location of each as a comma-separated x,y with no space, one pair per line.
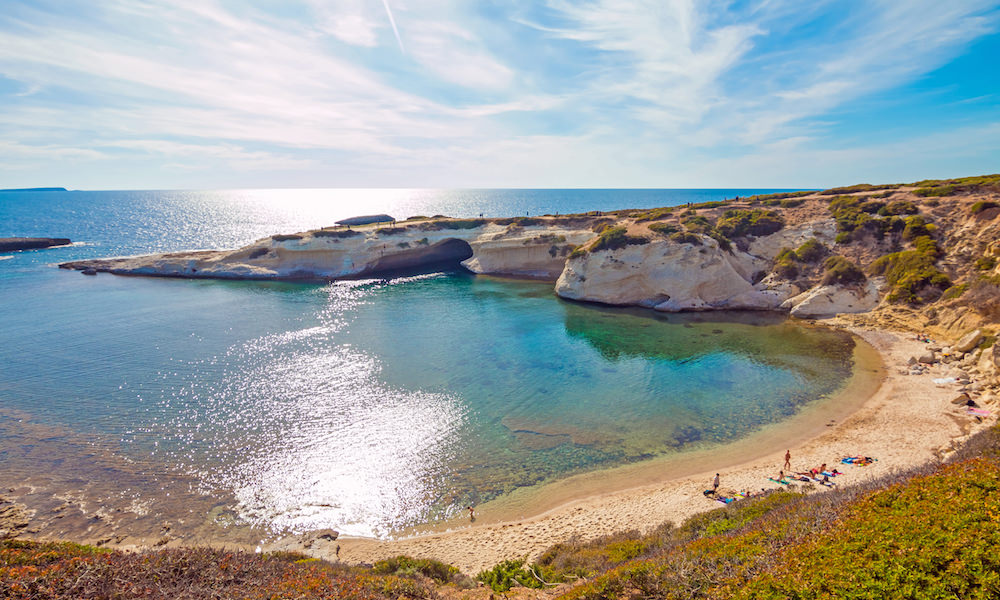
5,257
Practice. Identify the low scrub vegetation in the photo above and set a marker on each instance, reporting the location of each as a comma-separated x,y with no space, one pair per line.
432,569
927,533
950,187
860,187
811,251
856,216
913,274
57,571
837,270
776,198
982,205
685,237
614,238
736,223
655,214
663,228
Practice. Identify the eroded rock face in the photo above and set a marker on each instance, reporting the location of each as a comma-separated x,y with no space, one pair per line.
525,252
669,276
830,300
335,254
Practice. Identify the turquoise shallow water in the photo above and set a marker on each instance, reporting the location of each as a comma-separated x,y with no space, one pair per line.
369,406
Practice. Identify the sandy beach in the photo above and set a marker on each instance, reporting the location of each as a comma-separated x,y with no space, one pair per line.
907,421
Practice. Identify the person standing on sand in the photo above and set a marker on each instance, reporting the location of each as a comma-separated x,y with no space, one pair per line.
788,459
715,483
472,514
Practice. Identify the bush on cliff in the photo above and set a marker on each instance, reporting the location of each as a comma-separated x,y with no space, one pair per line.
684,237
912,273
786,264
614,238
811,251
837,270
664,229
741,222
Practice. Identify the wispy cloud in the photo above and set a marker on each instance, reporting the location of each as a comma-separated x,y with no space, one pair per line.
590,92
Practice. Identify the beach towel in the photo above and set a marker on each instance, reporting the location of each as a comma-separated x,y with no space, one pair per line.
781,481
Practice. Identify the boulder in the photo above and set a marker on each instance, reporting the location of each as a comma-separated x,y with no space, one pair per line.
969,341
912,361
928,358
326,535
961,399
996,355
829,300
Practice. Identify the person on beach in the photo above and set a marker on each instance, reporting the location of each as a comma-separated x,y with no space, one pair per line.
788,459
715,483
472,513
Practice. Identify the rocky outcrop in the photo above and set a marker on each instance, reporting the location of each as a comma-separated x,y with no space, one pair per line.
21,243
327,254
669,276
830,300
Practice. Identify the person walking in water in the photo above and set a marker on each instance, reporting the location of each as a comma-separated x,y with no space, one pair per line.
788,459
715,483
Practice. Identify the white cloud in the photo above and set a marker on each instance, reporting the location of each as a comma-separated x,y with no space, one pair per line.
597,92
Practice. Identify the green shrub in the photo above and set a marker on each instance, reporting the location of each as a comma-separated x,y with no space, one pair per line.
614,238
898,207
286,237
742,222
954,291
916,227
837,270
654,214
684,237
861,187
986,263
663,228
942,190
504,575
811,251
404,565
982,205
777,197
792,202
696,223
913,275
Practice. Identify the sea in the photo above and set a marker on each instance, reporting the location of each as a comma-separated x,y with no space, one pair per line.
367,406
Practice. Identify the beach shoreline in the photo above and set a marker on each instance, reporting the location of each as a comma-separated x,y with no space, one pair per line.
905,422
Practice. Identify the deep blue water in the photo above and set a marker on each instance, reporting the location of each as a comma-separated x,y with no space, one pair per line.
368,406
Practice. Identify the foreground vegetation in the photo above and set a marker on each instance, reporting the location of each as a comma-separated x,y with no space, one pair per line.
927,533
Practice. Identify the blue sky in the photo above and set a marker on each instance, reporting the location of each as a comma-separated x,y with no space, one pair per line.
130,94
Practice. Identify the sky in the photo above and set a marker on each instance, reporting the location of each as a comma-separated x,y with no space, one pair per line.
216,94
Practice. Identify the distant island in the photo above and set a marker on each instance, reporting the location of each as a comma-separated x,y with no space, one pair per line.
21,243
42,189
